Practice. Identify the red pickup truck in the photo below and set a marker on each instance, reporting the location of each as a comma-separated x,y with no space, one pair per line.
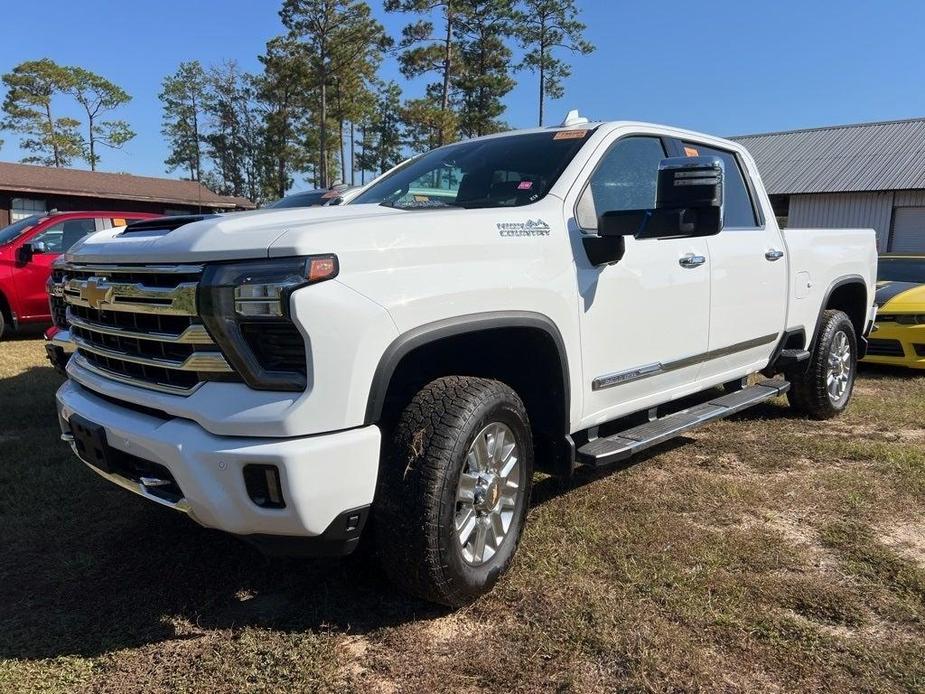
28,248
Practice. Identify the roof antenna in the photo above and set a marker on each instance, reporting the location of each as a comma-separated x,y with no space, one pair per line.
574,119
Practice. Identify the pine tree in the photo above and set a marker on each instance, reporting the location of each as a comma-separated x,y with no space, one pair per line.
235,135
338,36
426,50
425,122
355,103
483,29
282,93
382,131
544,26
31,86
183,97
97,96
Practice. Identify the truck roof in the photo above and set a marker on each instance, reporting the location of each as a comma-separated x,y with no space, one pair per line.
585,124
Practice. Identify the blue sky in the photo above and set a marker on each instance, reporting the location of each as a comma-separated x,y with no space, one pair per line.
726,66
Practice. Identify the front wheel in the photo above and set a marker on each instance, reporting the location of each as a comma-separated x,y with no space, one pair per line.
454,490
824,389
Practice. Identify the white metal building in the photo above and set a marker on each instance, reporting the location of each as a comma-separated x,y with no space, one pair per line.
864,175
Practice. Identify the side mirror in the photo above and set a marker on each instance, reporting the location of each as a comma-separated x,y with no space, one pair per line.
25,253
689,202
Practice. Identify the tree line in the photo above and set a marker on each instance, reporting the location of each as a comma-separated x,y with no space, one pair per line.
317,107
59,140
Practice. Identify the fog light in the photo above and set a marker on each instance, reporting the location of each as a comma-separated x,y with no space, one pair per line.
263,486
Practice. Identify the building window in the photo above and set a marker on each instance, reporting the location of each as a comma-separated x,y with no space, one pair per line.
26,207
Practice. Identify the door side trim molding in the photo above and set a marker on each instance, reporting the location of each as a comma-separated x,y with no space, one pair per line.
639,372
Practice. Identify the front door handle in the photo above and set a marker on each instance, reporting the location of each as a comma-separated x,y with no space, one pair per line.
774,254
691,260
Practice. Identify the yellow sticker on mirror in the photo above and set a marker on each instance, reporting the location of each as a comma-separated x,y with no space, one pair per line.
691,152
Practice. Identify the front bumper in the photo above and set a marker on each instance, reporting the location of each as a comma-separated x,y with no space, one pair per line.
59,347
326,480
896,344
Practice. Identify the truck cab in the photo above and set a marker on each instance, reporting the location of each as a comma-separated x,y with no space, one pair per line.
29,247
535,300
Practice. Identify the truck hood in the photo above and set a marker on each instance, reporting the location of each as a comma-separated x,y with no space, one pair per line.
237,235
366,238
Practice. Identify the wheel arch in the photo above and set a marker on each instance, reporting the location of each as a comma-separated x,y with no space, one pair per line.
536,367
847,294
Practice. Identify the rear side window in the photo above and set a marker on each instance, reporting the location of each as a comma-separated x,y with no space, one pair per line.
738,209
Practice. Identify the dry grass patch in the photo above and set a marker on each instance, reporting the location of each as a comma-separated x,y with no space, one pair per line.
762,553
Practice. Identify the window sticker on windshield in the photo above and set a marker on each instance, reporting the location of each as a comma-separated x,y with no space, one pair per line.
525,185
570,134
691,152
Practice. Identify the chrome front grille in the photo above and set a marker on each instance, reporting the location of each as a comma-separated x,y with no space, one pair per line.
139,325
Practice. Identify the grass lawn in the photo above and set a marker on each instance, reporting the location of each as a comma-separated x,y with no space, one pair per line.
759,553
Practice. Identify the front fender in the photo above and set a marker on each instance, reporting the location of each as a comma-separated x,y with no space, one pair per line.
408,341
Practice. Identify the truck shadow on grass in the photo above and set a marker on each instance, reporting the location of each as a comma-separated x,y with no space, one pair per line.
89,568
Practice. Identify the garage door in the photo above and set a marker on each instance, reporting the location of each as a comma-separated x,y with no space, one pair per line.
908,230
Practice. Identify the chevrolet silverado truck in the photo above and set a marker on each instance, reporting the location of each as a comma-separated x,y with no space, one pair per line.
399,367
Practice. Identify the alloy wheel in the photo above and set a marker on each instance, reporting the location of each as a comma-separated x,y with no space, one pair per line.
838,378
489,492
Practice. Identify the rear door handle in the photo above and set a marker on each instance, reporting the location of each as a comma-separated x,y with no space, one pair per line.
691,260
774,254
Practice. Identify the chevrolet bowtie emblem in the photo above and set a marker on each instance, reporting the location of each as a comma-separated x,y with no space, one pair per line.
94,294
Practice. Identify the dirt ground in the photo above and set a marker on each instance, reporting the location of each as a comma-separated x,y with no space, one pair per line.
761,553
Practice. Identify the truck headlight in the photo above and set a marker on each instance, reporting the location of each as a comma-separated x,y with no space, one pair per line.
245,308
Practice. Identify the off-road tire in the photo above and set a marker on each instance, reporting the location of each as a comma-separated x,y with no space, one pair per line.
809,393
415,509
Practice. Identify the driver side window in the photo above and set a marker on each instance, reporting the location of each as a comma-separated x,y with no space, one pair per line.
626,178
59,237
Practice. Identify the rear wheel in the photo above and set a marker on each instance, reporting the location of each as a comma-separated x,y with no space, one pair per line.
2,322
455,489
824,389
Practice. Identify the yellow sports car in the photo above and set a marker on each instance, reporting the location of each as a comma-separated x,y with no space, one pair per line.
900,333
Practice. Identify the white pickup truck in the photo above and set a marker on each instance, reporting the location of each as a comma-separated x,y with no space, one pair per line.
401,365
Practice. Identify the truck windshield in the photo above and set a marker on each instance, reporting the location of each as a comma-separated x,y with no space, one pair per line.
506,171
17,229
901,270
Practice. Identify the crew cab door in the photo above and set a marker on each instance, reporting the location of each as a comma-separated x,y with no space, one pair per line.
644,320
748,276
